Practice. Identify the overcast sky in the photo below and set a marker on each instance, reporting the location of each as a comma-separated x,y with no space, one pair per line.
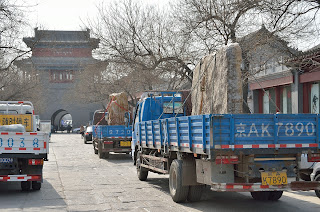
66,14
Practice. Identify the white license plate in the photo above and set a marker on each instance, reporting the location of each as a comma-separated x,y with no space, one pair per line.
6,160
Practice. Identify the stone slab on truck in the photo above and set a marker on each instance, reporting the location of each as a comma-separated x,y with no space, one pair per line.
23,149
257,153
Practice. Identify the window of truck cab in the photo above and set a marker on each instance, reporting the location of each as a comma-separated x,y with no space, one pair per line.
168,107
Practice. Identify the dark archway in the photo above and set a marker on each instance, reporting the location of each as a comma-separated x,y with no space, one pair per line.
56,120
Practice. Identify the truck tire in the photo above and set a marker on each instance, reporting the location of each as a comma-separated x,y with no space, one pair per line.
178,192
25,185
100,153
36,185
141,171
195,193
106,155
275,195
317,178
304,176
260,195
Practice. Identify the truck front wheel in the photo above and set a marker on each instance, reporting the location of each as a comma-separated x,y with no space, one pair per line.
178,192
141,171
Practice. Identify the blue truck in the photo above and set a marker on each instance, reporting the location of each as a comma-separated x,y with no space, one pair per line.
110,138
257,153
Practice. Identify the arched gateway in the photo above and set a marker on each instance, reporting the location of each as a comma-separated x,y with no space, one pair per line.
58,57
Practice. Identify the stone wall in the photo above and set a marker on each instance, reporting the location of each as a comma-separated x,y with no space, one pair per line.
217,83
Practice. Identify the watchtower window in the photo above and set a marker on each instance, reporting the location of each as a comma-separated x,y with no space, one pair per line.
61,76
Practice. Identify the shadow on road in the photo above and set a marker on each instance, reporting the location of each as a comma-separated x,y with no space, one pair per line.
11,197
242,201
119,158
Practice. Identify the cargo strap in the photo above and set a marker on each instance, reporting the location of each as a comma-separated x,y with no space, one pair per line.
121,107
104,114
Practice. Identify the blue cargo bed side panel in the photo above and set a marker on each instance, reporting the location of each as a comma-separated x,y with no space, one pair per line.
112,131
232,131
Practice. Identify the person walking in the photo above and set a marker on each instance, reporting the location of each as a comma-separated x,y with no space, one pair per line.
82,131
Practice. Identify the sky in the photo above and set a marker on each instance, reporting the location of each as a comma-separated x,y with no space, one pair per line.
70,14
67,14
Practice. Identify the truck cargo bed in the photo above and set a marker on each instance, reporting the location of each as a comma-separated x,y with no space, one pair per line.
205,134
111,131
24,143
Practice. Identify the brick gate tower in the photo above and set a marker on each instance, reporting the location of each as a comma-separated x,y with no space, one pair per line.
58,57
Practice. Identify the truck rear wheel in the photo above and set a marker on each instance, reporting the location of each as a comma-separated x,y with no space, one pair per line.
195,193
260,195
178,192
94,147
275,195
100,153
106,155
36,185
25,185
317,178
141,171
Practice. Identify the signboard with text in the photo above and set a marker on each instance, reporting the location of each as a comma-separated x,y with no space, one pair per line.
25,120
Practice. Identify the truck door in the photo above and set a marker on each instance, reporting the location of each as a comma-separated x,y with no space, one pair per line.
136,121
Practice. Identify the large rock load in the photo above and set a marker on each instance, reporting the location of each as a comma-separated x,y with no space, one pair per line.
117,109
217,83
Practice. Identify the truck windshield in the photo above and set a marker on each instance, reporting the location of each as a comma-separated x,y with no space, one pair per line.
168,107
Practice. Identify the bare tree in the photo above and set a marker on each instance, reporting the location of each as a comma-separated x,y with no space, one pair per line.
144,44
12,20
15,83
213,23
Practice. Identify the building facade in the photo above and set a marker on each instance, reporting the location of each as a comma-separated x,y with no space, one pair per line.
59,57
273,86
290,83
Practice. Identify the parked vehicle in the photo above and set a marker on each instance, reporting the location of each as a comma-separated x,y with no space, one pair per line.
110,138
315,176
257,153
22,148
310,171
45,126
87,134
76,130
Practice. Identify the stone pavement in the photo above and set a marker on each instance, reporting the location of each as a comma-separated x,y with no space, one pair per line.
75,179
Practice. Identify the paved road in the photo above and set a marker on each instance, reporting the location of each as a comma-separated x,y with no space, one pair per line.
77,180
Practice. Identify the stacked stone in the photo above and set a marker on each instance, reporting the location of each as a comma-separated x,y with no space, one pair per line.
217,83
117,109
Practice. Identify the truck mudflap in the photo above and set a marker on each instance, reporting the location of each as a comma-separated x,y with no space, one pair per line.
15,178
249,187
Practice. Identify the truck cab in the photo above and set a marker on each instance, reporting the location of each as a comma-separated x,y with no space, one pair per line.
156,105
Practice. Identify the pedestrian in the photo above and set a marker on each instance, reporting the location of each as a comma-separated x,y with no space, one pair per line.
82,130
